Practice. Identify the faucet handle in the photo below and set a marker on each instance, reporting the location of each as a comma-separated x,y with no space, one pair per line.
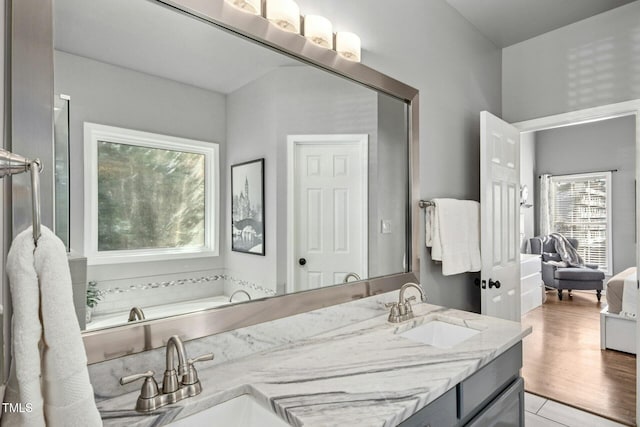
390,304
192,375
149,387
202,358
411,298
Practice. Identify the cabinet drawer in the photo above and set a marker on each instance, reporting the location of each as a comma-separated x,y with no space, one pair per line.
506,410
531,300
530,266
439,413
529,283
483,386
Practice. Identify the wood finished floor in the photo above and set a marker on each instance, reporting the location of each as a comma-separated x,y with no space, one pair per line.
563,362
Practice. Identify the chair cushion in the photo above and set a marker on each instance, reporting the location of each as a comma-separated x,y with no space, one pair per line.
578,274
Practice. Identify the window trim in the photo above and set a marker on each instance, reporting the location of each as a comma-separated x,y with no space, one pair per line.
609,233
93,133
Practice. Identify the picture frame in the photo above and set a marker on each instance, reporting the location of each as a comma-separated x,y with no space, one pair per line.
247,207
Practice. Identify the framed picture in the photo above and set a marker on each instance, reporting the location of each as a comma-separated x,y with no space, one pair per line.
247,207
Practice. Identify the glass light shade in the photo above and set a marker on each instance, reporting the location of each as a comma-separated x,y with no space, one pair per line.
348,45
285,14
319,30
249,6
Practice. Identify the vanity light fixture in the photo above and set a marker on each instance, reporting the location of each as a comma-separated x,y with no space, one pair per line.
348,45
249,6
285,14
319,30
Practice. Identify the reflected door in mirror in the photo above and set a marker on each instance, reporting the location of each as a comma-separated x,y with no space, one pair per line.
329,208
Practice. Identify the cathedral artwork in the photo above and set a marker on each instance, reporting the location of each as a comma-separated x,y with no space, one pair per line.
247,207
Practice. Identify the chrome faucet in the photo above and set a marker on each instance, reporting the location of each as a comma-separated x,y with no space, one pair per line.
401,310
349,276
173,390
170,381
239,291
136,313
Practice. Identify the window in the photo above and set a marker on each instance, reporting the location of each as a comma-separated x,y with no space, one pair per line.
149,196
580,207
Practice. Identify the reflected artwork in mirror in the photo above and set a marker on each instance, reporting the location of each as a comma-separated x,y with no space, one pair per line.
331,205
247,207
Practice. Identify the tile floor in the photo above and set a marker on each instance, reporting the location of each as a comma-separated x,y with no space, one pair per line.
540,412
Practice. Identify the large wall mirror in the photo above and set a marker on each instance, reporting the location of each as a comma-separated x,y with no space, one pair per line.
209,171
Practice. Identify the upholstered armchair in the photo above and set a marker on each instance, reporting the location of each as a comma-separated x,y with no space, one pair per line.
569,278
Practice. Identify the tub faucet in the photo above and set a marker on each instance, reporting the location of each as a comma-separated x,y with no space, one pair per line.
401,310
173,390
239,291
349,276
136,313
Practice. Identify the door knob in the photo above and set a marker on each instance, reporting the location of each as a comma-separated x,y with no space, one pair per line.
492,284
302,261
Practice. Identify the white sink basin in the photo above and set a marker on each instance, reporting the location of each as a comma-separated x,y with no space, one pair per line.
241,411
439,334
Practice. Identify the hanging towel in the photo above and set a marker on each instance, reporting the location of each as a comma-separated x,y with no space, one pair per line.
454,234
432,233
49,364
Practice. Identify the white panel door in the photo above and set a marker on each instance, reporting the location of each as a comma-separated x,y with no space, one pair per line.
500,212
329,209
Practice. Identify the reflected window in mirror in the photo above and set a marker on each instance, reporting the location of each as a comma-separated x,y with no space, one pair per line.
150,197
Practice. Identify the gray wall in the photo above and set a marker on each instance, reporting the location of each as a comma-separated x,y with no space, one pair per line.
303,100
430,46
388,251
251,123
115,96
598,146
592,62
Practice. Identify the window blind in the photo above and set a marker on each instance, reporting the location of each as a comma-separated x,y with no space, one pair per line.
580,208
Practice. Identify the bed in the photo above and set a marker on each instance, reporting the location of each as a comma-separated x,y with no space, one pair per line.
618,319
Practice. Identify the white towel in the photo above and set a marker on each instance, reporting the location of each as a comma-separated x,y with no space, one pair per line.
454,235
49,364
630,296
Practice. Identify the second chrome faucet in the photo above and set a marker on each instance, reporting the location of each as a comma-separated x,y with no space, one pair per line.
173,388
401,310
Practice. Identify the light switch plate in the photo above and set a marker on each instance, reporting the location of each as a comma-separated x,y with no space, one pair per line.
385,226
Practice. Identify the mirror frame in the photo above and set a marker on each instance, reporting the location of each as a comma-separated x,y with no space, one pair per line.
29,112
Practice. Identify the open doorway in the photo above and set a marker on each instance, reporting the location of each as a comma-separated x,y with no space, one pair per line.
578,180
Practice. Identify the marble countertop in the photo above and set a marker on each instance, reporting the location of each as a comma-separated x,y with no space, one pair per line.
365,373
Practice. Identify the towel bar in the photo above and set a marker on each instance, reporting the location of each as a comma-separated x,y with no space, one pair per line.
425,203
13,164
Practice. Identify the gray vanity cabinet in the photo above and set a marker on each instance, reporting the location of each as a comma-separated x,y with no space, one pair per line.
505,410
493,396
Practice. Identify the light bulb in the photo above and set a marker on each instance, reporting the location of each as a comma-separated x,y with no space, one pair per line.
348,45
249,6
285,14
319,30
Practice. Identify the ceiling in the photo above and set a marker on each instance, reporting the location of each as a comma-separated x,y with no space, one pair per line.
146,37
507,22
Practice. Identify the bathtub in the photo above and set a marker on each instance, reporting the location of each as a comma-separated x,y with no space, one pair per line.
157,311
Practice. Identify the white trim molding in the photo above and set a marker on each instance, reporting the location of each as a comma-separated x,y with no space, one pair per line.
94,133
